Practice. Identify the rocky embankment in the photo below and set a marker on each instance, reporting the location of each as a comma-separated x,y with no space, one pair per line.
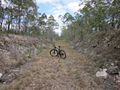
103,52
16,50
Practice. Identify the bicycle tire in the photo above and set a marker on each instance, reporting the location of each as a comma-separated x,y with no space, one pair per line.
53,52
62,54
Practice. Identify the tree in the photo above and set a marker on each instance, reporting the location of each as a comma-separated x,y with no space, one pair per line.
114,14
1,16
95,16
51,26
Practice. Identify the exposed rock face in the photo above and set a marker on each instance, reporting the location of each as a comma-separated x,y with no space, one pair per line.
15,50
102,49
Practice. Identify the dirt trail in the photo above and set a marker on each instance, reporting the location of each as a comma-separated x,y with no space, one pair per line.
48,73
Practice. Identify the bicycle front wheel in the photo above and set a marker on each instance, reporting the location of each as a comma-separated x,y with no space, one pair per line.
62,54
53,52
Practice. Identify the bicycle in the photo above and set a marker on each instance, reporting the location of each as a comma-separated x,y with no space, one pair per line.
58,52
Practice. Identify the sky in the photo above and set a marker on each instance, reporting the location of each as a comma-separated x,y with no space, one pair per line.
58,7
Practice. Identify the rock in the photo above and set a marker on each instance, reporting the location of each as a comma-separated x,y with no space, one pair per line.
94,46
44,46
8,77
118,78
1,75
1,80
102,73
113,70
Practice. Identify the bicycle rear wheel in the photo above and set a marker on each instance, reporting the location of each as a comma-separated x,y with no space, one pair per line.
53,52
62,54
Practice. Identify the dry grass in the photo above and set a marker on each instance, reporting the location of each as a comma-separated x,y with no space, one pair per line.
48,73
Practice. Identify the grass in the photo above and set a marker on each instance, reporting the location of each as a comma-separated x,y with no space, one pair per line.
49,73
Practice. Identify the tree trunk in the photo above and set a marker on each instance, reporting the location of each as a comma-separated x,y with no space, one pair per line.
8,28
19,18
112,22
10,21
19,22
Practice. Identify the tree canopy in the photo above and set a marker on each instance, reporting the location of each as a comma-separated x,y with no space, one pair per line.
95,16
22,17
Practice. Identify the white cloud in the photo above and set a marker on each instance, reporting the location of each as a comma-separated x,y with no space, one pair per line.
44,1
56,13
3,4
60,7
74,6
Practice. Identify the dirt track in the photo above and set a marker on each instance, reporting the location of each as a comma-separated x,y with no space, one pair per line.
48,73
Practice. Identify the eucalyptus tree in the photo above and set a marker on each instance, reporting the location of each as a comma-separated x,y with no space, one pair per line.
9,12
51,26
42,24
95,16
68,20
1,16
114,14
25,11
